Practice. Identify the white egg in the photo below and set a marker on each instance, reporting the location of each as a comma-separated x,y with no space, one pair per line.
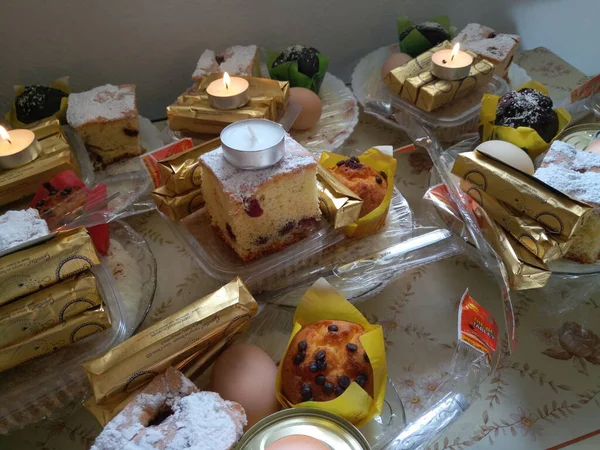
509,154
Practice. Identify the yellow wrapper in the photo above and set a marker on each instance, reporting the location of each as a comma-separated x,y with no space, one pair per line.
67,254
62,84
396,78
27,316
55,157
322,302
438,93
72,330
557,213
525,230
176,207
193,112
375,220
339,205
194,329
526,138
181,173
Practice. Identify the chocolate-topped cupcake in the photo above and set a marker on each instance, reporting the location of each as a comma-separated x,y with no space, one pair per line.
528,108
302,66
38,102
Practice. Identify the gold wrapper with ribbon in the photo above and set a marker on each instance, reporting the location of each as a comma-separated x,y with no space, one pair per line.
55,157
62,84
323,302
379,161
525,230
182,173
524,137
176,207
396,78
339,205
193,112
47,341
195,329
27,316
67,254
557,213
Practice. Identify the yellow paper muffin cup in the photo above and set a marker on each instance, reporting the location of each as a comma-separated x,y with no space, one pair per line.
379,161
526,138
323,302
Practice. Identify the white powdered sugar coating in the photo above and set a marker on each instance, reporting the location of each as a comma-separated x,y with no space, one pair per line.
103,103
497,47
18,227
572,171
241,183
238,60
473,32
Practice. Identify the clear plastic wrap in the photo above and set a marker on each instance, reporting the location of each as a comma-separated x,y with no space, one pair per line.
39,388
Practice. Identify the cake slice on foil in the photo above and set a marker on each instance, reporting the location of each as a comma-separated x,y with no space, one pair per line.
236,60
577,174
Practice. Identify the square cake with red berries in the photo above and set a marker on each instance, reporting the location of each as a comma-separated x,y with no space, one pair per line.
258,212
236,60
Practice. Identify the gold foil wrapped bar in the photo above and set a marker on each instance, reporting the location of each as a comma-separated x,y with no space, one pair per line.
525,230
556,212
339,205
396,78
194,329
438,93
175,206
27,316
55,157
74,329
193,112
67,254
181,173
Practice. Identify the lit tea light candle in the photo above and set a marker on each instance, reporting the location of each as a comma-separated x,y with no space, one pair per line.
228,92
451,64
253,144
17,148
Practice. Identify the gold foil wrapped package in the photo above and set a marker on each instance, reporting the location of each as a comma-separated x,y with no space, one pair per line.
339,205
67,254
556,212
181,173
193,112
192,330
55,157
176,207
44,309
525,230
72,330
396,78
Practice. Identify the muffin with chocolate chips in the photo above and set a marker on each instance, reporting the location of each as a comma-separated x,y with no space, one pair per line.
323,360
370,185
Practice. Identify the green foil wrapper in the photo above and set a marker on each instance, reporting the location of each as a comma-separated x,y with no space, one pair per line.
288,71
414,43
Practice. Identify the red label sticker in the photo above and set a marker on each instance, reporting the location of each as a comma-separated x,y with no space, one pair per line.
152,159
477,327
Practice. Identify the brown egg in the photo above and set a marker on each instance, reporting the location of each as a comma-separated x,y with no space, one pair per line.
245,374
594,146
393,61
311,108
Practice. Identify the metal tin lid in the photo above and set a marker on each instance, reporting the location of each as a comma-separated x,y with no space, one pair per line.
253,144
333,431
579,136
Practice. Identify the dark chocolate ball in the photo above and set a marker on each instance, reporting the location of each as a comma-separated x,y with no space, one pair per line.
38,102
306,57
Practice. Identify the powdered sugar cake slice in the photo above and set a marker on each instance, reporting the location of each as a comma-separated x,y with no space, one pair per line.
236,60
258,212
106,118
577,174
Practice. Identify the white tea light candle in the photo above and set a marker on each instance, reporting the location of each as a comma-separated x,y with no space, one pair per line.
228,92
253,144
17,148
452,64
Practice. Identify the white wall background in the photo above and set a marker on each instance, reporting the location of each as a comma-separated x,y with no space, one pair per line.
155,44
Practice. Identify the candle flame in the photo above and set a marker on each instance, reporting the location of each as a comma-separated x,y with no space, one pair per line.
4,135
226,80
455,51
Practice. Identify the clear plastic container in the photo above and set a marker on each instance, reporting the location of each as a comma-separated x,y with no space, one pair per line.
447,123
286,267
